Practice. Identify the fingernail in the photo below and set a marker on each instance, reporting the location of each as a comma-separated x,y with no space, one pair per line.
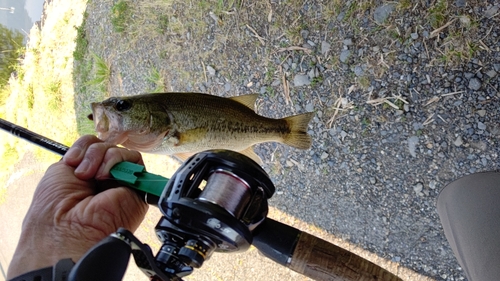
83,167
73,153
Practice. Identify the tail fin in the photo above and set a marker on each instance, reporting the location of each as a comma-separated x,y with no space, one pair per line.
298,136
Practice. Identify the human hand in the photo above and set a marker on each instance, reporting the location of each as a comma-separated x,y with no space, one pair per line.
74,208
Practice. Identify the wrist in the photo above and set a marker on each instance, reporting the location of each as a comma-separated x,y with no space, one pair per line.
59,272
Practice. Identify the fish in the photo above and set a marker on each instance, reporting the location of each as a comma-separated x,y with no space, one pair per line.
182,124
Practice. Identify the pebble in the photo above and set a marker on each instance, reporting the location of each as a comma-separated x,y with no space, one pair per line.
358,71
412,145
481,126
347,42
344,55
325,47
460,3
474,84
301,80
414,36
432,184
491,11
458,141
481,112
491,73
210,70
418,188
382,12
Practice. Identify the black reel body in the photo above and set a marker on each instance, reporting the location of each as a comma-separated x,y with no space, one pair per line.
211,204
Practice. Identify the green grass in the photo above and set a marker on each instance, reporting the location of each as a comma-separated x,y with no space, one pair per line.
156,78
438,15
102,74
81,41
120,16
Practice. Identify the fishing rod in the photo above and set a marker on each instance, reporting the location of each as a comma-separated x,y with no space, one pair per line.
227,215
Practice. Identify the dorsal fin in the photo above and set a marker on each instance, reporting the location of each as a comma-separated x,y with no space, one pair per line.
246,100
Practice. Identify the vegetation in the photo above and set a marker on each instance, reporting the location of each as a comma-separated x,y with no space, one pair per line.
120,15
40,96
10,43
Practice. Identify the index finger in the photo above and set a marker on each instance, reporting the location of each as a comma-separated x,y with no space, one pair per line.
99,158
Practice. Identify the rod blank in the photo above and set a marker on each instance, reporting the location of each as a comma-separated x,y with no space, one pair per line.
33,137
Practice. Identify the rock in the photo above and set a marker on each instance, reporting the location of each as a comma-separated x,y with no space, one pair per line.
325,47
304,34
324,155
481,112
481,126
301,80
480,145
491,73
474,84
210,70
313,73
491,11
344,55
414,36
432,184
412,145
418,188
358,71
309,107
458,141
348,42
382,12
460,3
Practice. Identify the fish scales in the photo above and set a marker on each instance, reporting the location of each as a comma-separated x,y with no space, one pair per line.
175,123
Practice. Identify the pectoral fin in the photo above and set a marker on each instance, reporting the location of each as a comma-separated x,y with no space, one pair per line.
252,155
183,156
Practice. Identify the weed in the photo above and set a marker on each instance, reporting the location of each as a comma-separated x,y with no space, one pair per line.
157,79
438,14
364,82
404,4
271,69
120,16
163,23
399,103
316,81
102,73
81,41
53,91
270,91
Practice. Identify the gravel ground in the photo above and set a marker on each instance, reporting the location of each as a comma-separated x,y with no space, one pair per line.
405,94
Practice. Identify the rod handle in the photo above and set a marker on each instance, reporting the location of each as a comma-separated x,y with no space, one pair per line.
321,260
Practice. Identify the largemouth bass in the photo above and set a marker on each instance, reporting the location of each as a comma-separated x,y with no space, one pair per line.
182,124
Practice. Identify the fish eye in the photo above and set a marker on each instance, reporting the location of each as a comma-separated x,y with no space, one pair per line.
123,105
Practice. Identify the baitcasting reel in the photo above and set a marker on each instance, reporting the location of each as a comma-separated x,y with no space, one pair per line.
212,203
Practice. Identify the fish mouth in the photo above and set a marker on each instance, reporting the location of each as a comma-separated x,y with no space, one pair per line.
107,125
